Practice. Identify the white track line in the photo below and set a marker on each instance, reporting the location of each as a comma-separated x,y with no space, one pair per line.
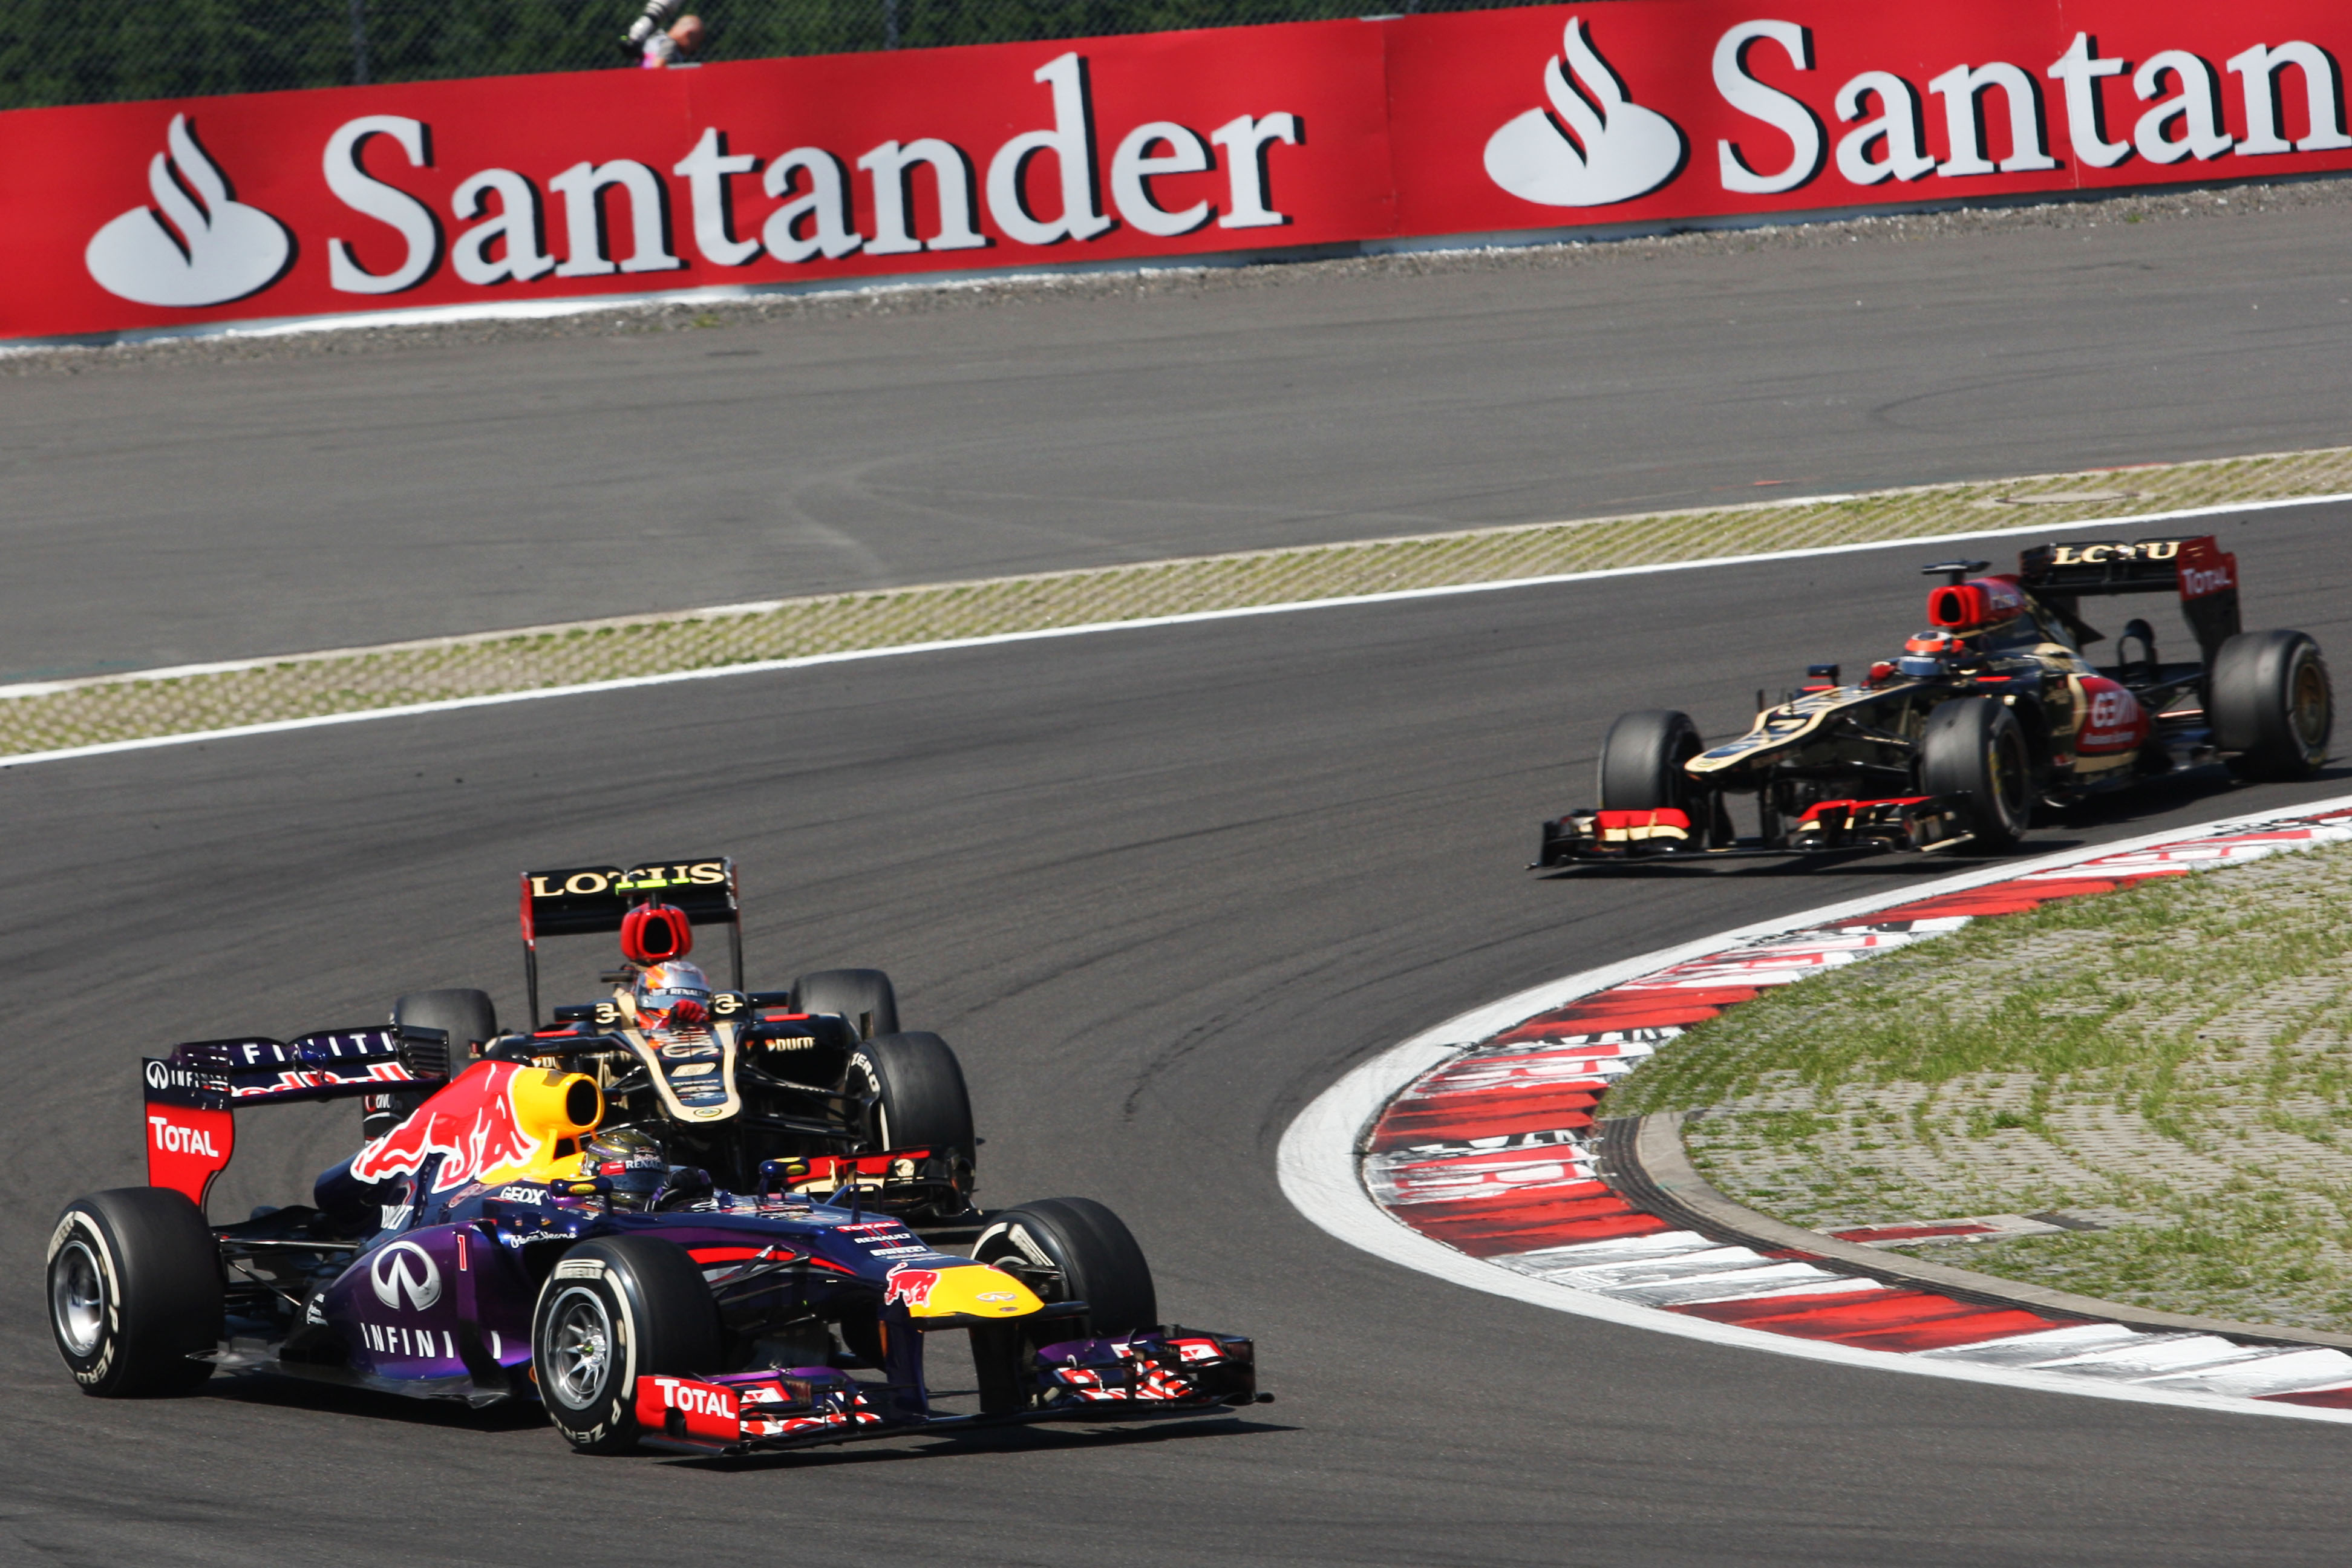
1317,1160
1396,596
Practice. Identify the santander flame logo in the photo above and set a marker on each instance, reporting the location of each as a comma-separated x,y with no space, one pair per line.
205,249
1611,149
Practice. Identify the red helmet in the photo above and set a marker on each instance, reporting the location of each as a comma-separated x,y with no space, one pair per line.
672,995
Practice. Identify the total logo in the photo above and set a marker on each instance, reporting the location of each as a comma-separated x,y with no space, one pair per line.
695,1398
404,1274
2196,582
172,1138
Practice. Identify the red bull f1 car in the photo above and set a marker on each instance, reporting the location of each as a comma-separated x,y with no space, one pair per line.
1991,712
519,1224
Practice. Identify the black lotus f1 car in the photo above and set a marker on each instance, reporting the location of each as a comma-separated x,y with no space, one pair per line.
821,1072
1990,713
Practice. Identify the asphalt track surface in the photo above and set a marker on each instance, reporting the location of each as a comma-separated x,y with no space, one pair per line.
1159,887
157,514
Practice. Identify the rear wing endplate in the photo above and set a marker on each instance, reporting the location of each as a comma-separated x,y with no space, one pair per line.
192,1095
586,899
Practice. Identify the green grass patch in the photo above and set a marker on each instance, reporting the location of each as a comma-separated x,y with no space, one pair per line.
2172,1062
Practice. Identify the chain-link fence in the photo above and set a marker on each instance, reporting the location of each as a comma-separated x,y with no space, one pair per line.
97,51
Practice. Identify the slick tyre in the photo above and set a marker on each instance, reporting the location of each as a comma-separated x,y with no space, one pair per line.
1973,752
864,997
614,1310
2274,707
135,1289
1642,762
917,1090
1075,1249
469,1019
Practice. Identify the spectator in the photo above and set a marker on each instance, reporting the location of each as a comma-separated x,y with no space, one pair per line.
661,42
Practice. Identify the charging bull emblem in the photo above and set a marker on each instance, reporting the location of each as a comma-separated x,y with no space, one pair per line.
912,1286
472,1123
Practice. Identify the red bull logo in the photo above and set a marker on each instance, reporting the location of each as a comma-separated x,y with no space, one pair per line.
471,1124
912,1286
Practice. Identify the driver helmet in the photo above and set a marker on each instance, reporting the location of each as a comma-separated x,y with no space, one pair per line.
672,994
1932,652
630,1159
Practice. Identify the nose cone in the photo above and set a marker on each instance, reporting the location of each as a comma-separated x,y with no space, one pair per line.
977,1291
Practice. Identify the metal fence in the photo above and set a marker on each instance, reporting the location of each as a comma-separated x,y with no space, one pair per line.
98,51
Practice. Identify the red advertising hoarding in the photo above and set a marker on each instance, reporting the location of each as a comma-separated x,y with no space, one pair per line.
127,217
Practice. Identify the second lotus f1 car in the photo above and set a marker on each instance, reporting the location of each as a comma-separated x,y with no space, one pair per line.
1990,713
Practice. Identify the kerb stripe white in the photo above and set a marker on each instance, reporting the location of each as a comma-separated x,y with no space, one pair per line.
1318,1162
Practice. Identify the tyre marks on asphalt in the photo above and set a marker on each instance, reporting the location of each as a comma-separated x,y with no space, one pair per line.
1494,1153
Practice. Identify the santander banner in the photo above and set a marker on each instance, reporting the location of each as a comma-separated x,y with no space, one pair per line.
1509,124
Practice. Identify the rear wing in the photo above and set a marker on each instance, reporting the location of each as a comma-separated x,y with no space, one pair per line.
192,1095
2198,569
580,901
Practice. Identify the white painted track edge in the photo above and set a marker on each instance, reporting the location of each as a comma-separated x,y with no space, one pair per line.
1317,1160
1146,623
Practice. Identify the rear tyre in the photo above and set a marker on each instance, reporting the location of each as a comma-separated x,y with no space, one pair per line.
919,1097
616,1310
1973,752
1075,1249
470,1020
864,997
2273,705
135,1289
1642,762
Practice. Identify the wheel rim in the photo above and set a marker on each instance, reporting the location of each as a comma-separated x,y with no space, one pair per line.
77,1299
579,1350
2309,707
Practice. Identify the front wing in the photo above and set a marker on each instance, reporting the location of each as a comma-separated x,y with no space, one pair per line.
1915,823
1156,1373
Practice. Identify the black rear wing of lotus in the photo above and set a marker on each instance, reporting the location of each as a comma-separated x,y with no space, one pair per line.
586,901
2198,569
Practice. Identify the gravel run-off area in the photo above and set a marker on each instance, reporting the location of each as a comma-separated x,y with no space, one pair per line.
2166,1071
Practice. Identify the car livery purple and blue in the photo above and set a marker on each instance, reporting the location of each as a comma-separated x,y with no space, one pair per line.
477,1249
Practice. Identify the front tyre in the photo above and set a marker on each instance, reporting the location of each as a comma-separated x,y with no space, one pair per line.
1973,753
864,997
135,1289
616,1310
2273,707
1075,1249
1642,762
916,1095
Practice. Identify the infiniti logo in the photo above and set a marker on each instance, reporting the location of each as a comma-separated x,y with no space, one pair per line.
405,1269
159,1076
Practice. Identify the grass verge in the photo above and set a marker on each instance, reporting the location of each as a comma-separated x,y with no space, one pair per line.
2171,1063
63,714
